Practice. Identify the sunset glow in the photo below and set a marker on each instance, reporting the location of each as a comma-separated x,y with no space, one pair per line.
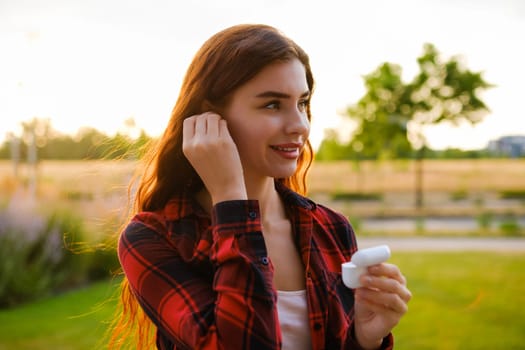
100,63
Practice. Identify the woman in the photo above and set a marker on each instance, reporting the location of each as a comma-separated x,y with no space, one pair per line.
224,251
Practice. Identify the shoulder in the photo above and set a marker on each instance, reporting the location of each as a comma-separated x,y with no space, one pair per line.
180,209
144,225
333,237
333,230
329,216
334,225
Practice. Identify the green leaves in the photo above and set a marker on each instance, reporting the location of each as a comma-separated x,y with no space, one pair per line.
446,90
441,91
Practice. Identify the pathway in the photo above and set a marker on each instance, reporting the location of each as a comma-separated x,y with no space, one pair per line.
500,244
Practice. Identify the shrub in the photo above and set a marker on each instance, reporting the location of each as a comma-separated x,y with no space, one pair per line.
518,194
356,196
458,195
509,226
40,254
485,220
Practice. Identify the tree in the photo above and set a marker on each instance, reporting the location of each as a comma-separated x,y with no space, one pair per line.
88,143
382,116
332,149
443,91
35,133
391,114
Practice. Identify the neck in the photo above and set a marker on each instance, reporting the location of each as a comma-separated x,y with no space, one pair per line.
269,201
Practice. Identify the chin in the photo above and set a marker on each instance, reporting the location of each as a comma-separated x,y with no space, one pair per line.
283,172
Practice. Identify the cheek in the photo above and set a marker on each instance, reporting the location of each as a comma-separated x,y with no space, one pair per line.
247,128
234,126
245,136
239,124
239,132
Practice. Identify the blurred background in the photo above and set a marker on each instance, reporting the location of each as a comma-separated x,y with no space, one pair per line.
416,123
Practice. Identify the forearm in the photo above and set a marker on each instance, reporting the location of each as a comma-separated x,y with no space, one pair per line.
243,280
235,308
360,343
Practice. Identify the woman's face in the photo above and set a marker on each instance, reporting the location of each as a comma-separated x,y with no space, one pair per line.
267,119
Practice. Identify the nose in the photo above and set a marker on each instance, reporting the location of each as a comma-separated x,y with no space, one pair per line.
297,122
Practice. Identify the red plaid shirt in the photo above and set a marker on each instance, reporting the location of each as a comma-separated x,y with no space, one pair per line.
206,282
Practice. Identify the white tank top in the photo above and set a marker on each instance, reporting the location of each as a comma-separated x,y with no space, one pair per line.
292,309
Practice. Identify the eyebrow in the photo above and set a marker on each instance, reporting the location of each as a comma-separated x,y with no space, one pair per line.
277,94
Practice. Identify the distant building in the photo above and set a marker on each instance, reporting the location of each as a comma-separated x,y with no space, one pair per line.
511,146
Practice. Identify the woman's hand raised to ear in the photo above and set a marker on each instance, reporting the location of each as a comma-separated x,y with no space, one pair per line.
209,147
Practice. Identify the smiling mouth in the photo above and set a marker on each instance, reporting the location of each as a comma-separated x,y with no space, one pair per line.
285,149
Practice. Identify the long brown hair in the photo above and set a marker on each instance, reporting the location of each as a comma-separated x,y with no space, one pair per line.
225,62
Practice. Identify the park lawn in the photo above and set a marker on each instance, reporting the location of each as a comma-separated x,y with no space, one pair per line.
463,301
74,320
460,301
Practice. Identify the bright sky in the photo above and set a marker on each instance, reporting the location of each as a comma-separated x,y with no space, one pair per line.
100,62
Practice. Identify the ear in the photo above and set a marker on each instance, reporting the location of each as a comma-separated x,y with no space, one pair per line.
208,106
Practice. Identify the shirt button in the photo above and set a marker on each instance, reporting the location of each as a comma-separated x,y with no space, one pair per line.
317,326
265,260
252,215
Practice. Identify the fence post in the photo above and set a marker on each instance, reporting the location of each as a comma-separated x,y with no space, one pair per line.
15,152
32,161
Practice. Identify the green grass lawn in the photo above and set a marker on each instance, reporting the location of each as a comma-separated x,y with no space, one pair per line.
75,320
463,301
460,301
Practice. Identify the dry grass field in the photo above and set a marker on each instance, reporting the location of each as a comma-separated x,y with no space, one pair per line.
469,175
97,190
93,190
451,188
388,176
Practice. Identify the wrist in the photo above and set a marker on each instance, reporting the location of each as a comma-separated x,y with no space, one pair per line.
375,346
367,344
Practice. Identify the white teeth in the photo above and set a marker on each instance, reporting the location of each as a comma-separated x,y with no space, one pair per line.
284,149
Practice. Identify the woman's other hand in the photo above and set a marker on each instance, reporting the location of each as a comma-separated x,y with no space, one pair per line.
379,304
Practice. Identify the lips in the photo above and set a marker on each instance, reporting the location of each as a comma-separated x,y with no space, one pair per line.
288,150
284,149
287,147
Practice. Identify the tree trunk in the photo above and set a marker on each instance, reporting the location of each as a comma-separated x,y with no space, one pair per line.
15,154
420,154
32,162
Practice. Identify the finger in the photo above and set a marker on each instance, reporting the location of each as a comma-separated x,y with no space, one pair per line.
376,305
387,270
200,125
188,128
223,128
212,124
393,313
388,285
382,301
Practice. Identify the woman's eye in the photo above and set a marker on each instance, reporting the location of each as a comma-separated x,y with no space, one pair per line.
272,105
303,104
